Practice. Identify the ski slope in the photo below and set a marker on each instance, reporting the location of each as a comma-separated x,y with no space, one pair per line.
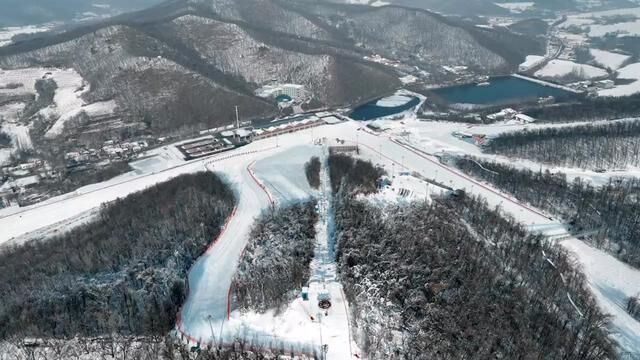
261,172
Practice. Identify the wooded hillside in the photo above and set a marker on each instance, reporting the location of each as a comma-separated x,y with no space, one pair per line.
610,212
123,273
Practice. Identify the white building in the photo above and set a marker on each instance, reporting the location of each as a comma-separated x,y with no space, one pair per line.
294,91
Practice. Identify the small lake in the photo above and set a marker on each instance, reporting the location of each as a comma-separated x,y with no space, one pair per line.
501,90
374,109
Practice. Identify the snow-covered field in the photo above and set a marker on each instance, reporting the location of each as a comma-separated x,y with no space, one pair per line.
67,101
6,34
75,108
560,68
610,280
608,59
517,7
593,23
531,60
631,72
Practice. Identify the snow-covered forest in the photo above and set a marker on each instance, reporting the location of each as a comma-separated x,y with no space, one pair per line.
353,175
277,257
611,145
598,108
312,171
455,280
133,348
610,213
124,273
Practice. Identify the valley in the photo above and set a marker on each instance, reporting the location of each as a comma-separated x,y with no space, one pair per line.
380,180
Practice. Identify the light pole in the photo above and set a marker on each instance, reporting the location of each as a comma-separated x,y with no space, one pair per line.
213,337
319,314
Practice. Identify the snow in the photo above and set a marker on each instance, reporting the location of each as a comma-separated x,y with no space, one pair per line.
612,283
10,112
531,60
408,79
6,34
628,72
25,77
19,135
516,7
592,22
610,280
393,100
302,326
631,28
94,109
283,173
405,188
608,59
5,156
559,68
67,98
20,182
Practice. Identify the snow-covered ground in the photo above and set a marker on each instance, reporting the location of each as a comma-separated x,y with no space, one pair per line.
516,7
67,101
599,23
531,60
560,68
393,100
94,109
283,173
608,59
302,326
6,34
610,280
20,140
630,72
404,188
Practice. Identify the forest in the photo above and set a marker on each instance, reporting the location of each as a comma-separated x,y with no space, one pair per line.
456,280
610,212
123,273
138,348
453,279
612,145
312,171
351,174
5,139
597,108
276,260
